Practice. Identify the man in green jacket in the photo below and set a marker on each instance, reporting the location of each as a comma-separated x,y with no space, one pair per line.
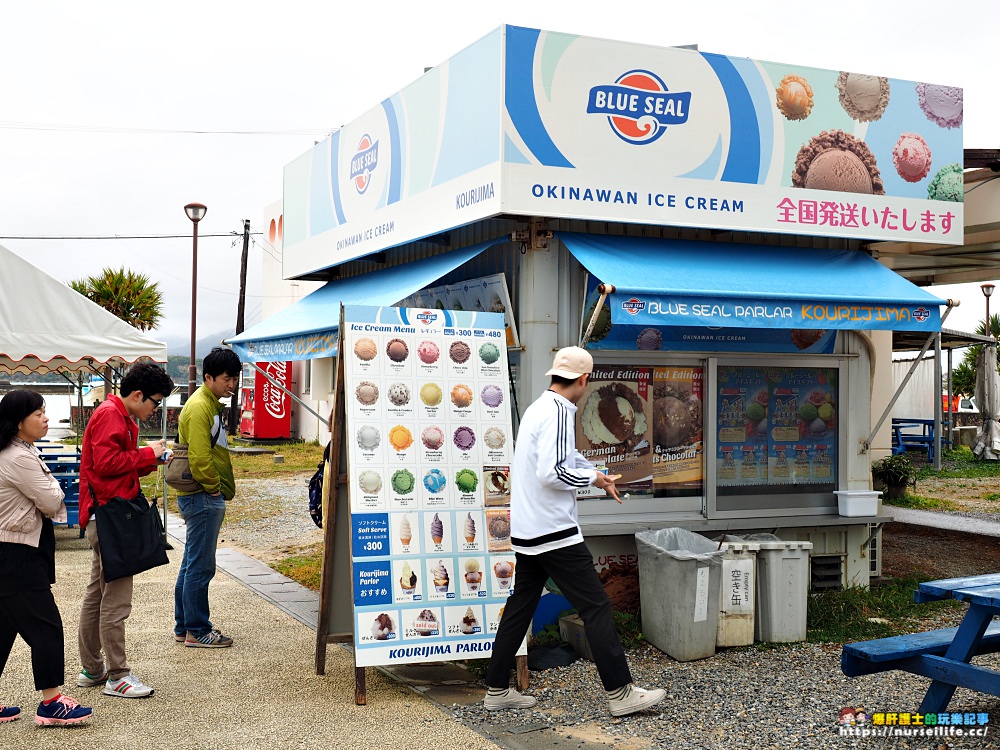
201,427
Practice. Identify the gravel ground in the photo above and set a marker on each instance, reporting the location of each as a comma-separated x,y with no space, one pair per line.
782,697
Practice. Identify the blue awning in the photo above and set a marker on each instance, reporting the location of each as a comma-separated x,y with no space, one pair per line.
685,283
308,328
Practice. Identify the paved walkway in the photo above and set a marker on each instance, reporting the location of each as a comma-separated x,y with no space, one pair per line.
946,521
261,693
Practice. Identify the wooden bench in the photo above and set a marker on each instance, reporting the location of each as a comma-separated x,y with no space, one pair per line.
904,652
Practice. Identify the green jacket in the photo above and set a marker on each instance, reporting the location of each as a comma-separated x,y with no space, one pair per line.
211,467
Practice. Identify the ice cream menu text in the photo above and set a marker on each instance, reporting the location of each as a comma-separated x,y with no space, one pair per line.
430,443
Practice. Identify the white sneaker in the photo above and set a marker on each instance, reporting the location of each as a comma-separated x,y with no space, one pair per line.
510,699
86,679
128,686
635,699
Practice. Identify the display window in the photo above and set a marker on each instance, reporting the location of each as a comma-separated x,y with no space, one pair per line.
719,437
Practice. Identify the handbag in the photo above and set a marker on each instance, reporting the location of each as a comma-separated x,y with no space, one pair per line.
130,536
177,473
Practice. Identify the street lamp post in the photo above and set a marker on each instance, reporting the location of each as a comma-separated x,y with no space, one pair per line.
987,291
196,212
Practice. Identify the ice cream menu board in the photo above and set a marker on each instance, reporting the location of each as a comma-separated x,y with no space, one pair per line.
614,430
776,426
429,449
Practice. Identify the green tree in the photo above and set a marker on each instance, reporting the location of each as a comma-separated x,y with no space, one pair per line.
125,294
963,377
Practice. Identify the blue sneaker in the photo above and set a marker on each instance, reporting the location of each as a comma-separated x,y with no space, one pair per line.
9,713
62,712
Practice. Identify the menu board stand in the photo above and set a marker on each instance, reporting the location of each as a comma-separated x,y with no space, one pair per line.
417,562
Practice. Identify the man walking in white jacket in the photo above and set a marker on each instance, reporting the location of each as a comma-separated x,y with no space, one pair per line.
547,542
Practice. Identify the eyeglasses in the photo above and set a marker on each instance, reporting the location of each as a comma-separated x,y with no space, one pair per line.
156,401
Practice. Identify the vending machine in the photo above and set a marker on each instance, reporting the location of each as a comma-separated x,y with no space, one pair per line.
267,411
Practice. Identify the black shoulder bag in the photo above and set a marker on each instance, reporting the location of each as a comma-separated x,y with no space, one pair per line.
130,535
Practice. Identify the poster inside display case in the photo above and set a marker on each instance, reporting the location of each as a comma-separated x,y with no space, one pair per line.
776,426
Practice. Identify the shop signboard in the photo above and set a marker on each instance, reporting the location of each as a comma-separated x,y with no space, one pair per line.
534,123
429,452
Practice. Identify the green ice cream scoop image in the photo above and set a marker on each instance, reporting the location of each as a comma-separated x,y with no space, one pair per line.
466,480
403,482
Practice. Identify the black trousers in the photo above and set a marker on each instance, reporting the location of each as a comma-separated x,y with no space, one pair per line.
572,569
35,617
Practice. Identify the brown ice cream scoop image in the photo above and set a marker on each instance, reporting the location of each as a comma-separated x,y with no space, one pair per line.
863,97
499,527
835,160
671,422
613,415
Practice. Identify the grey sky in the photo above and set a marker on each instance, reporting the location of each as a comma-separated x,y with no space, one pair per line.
102,72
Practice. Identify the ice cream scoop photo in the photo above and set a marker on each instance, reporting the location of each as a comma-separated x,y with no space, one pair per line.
383,627
835,160
426,623
503,570
912,157
794,97
408,579
863,97
470,624
473,575
613,415
469,529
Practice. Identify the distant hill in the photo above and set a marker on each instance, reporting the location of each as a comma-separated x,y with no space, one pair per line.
182,345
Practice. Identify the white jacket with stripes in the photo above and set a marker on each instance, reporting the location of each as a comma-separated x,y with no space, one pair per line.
546,473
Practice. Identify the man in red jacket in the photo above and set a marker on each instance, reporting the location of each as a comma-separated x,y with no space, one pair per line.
110,466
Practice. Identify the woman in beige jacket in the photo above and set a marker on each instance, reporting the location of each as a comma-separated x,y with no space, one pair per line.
30,497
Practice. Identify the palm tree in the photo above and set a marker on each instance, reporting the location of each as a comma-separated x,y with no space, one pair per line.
964,376
127,295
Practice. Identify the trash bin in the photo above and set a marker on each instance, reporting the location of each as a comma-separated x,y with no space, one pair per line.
782,589
679,576
737,592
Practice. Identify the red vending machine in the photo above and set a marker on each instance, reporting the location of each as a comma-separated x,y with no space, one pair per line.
267,411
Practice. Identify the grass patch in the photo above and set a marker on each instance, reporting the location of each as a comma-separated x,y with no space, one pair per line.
840,616
992,497
305,568
919,502
960,463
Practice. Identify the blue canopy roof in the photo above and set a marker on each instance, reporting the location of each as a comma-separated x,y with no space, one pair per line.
308,329
683,283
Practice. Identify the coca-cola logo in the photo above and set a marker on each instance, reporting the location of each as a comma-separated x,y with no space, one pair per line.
274,400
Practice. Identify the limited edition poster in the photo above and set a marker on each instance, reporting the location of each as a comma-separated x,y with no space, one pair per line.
613,424
429,448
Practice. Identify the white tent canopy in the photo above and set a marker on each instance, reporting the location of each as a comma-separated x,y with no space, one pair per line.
45,325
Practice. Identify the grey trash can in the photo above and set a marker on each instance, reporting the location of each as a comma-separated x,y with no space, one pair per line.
679,576
782,590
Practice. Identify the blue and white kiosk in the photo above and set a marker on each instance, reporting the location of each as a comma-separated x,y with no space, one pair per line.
700,222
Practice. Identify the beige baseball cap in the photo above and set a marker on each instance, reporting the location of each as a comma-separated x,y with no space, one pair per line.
572,362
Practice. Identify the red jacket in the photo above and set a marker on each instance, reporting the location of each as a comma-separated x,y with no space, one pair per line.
111,461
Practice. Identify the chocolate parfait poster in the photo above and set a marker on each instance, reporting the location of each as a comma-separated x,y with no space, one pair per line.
613,424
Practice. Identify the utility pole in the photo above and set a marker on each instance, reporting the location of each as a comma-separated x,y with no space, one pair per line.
234,405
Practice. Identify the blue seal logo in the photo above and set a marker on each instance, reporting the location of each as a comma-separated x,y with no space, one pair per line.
633,306
921,314
427,317
638,106
364,162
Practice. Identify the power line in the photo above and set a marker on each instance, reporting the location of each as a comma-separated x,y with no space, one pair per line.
119,236
7,125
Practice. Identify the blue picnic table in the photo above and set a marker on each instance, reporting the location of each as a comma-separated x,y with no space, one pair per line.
913,433
942,655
